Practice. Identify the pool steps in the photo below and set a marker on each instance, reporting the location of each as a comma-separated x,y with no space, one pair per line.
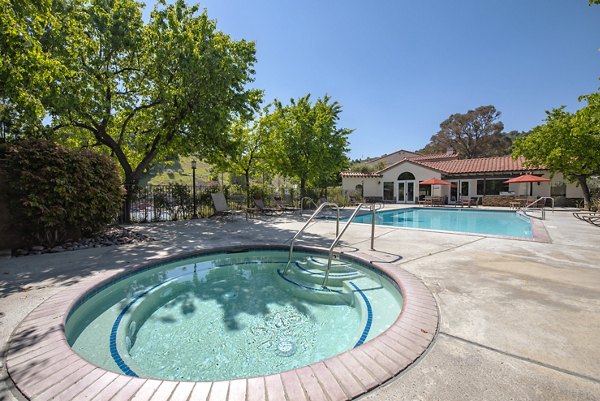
303,279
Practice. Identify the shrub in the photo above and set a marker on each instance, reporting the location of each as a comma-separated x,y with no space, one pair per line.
56,192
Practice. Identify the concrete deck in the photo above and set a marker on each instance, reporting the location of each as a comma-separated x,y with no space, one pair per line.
518,319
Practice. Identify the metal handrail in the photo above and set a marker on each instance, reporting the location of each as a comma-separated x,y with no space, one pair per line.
339,236
524,209
310,200
319,209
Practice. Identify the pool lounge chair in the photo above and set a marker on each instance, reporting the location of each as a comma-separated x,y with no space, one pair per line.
268,211
595,220
221,208
585,214
285,208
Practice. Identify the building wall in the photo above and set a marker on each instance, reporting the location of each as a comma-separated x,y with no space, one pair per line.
421,173
370,185
373,186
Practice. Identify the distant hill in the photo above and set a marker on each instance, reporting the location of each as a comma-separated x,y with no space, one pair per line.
177,171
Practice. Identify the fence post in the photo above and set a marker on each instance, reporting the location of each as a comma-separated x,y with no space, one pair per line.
373,227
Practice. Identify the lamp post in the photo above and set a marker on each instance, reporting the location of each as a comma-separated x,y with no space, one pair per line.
194,216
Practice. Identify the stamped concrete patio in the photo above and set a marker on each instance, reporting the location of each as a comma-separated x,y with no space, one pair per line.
518,320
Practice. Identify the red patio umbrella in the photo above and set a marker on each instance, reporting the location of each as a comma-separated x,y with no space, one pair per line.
434,181
530,178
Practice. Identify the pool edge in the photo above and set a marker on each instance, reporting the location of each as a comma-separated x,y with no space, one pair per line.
48,367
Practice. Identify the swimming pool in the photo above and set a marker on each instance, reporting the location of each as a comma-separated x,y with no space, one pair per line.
231,315
490,222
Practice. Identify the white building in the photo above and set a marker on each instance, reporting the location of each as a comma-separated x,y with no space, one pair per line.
484,178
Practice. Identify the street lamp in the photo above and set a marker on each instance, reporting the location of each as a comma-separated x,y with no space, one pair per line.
194,216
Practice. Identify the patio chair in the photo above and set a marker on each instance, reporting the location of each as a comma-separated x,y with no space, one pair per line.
285,208
268,211
468,202
595,220
583,215
221,208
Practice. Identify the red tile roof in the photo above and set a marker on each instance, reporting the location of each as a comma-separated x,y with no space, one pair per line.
482,165
469,166
359,175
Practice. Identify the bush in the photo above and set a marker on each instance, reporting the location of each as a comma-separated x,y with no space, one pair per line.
57,192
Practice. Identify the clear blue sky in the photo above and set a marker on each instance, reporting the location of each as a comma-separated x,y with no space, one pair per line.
399,68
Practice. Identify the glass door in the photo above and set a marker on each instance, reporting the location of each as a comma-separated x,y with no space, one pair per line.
406,191
453,192
410,192
401,194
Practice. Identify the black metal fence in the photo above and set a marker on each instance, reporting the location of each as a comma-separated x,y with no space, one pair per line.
170,202
176,201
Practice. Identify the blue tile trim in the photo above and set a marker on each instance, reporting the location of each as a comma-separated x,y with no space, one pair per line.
367,328
299,266
304,286
114,352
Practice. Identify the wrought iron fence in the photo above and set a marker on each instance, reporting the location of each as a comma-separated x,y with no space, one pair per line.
176,201
170,202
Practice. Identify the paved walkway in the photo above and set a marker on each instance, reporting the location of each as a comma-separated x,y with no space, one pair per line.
519,320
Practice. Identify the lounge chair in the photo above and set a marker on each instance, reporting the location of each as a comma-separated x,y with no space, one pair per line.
285,208
595,220
221,208
269,211
585,214
468,202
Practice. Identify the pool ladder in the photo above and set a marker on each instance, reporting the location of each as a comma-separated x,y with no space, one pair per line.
530,207
338,234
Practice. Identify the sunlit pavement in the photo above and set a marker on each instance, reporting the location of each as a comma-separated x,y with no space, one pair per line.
518,319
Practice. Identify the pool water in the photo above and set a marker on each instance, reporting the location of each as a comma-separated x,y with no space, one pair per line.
231,315
491,222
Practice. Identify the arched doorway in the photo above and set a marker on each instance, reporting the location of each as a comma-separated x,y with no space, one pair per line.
406,188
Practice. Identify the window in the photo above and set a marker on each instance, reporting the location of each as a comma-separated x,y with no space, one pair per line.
464,188
406,176
359,190
491,187
388,191
558,189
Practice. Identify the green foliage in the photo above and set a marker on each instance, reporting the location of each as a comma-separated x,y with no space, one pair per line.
306,143
477,133
30,33
248,151
57,192
567,143
142,91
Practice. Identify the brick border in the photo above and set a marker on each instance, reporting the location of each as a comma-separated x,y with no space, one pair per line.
43,366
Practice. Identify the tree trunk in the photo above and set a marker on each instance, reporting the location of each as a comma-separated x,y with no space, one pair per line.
302,187
582,179
131,184
247,176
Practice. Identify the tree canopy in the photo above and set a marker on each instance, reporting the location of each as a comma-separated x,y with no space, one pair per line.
306,142
248,153
567,143
142,91
476,133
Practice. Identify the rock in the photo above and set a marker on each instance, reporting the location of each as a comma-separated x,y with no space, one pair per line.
37,248
22,252
57,249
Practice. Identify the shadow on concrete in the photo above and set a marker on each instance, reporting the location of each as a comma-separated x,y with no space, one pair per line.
34,272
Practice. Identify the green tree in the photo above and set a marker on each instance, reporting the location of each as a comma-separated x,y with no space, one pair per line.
306,142
30,33
145,92
477,133
248,146
567,143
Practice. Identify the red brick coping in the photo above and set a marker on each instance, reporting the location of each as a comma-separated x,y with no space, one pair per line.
43,366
